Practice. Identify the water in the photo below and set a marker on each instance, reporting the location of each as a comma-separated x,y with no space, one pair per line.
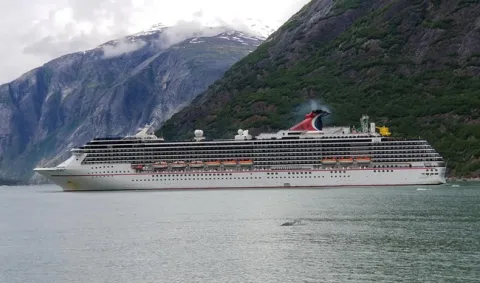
404,234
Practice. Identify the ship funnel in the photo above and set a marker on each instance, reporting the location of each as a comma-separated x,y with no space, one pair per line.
313,121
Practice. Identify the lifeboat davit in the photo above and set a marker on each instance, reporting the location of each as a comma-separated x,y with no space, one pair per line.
363,160
345,160
179,164
160,165
230,163
246,162
196,164
329,161
212,163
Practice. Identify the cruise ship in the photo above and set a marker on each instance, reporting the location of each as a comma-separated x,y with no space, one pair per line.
308,155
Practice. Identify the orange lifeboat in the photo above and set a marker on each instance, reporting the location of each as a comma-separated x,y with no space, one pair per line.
160,165
212,163
137,166
329,161
248,162
363,160
179,164
230,163
196,164
345,161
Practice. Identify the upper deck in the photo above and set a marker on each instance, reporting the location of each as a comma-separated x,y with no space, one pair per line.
304,144
311,128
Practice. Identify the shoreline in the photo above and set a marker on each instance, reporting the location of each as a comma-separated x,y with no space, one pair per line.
454,179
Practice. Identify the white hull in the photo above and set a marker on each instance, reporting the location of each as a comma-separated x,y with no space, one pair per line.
121,177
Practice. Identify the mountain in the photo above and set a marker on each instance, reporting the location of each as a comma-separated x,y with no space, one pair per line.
409,64
110,90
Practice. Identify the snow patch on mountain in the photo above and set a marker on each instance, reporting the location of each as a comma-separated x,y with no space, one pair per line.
240,37
156,28
258,28
250,26
195,41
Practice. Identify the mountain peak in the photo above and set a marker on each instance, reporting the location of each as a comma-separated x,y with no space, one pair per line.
158,27
259,28
253,27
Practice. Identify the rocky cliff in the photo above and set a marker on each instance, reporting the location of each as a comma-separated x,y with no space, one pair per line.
413,65
110,90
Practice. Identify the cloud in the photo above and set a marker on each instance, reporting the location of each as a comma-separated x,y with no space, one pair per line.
121,47
51,28
183,30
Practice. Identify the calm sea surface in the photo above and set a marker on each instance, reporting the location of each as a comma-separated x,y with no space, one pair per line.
403,234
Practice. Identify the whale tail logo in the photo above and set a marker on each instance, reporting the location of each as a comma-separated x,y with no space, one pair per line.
313,121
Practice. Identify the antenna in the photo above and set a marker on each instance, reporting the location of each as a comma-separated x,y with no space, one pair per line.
364,123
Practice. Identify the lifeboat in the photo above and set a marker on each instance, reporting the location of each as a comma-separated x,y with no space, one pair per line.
196,164
329,161
212,163
179,164
137,166
160,165
246,162
348,160
230,163
363,160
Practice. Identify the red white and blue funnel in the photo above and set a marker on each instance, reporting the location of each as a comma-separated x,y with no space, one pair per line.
313,121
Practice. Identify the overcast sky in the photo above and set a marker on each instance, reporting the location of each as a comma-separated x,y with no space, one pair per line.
36,31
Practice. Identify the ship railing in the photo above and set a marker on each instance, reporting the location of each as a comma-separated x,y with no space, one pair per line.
273,157
110,148
226,155
278,162
292,148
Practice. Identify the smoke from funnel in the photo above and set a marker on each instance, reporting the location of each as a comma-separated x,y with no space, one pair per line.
309,106
318,105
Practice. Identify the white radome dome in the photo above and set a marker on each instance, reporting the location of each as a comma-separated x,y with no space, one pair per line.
240,132
198,133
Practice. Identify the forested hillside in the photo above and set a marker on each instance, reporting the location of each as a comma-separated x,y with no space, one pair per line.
412,65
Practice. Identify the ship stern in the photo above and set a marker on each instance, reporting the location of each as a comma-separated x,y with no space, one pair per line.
442,174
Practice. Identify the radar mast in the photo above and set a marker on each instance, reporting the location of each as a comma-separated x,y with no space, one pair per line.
364,123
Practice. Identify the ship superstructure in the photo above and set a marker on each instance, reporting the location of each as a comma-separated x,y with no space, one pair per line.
306,155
